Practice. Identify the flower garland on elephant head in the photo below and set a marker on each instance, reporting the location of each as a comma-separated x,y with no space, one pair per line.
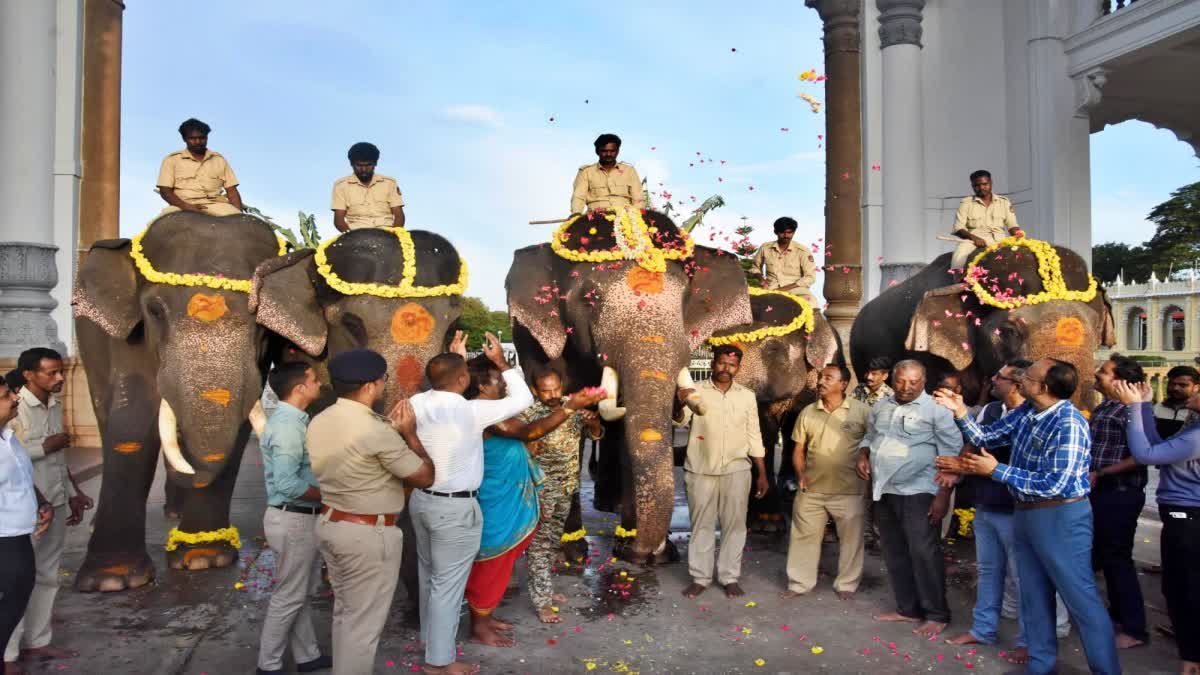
405,289
803,321
214,282
634,241
1049,269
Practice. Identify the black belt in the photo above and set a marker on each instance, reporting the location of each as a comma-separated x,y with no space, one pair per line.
310,510
461,494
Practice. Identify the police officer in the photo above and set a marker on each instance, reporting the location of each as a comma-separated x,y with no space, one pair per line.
192,179
366,198
362,461
608,183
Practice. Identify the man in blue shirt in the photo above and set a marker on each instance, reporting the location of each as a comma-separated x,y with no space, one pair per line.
1052,523
294,499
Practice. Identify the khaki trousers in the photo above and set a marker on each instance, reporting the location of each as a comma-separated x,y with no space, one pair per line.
34,629
712,499
213,209
293,537
364,566
962,252
809,515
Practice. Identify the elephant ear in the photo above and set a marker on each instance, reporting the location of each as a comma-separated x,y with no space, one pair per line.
939,326
823,344
1107,332
531,271
284,300
106,289
717,296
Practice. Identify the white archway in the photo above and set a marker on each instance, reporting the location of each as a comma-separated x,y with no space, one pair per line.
1136,329
1173,320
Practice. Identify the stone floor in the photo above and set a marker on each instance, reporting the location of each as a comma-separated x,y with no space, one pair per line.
617,618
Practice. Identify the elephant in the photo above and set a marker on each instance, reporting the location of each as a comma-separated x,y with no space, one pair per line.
937,317
623,299
176,360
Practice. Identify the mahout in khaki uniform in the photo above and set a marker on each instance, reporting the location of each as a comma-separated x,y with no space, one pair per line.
366,198
193,179
784,266
982,219
608,183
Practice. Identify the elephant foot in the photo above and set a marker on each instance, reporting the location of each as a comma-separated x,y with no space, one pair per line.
202,556
110,572
575,551
667,555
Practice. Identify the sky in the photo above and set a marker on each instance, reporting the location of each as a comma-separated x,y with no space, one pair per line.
483,112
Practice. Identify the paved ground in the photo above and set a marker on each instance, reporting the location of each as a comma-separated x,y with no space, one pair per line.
198,623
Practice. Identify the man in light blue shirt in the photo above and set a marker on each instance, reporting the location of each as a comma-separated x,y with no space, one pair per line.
293,500
905,433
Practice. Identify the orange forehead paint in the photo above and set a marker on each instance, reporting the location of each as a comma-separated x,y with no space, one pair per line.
643,280
219,396
1069,332
203,307
411,324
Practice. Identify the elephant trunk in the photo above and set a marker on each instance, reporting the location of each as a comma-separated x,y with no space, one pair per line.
649,396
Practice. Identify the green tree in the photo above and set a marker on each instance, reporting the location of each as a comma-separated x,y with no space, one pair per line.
1110,259
477,319
1175,245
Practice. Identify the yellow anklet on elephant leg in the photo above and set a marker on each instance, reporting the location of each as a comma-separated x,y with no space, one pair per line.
228,534
622,532
569,537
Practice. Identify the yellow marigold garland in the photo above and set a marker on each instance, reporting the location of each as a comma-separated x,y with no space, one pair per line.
965,516
408,273
174,279
622,532
176,537
1049,269
569,537
633,242
803,321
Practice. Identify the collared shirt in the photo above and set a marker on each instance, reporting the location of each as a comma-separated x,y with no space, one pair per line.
1170,421
18,501
451,429
359,460
974,216
904,439
1051,450
559,458
727,435
596,188
35,422
1109,446
793,266
831,441
285,457
197,181
869,397
367,205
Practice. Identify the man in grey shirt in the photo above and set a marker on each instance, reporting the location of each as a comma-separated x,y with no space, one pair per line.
905,432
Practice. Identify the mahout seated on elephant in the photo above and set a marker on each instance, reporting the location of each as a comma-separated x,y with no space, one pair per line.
622,299
1019,298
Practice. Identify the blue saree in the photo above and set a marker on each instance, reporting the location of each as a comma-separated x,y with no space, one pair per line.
507,496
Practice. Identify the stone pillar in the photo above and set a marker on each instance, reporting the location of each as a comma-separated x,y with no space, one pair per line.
903,142
27,86
99,201
843,162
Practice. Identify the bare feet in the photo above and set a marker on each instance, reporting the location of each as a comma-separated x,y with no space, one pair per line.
548,615
790,594
559,598
894,617
47,653
483,633
733,590
498,624
845,595
930,628
452,668
1125,641
1020,656
693,590
964,639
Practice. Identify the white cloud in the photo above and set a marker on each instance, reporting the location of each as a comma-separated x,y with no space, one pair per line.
475,114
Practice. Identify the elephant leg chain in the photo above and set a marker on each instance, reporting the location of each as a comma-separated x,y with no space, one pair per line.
544,548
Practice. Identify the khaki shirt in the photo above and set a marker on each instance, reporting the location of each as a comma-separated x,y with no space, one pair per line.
974,217
367,205
831,441
359,459
723,440
793,266
34,422
197,182
596,188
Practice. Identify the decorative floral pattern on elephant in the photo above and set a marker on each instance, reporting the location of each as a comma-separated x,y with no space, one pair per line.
170,368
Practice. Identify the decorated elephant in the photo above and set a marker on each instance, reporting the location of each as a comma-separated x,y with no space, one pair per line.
1018,298
175,359
622,299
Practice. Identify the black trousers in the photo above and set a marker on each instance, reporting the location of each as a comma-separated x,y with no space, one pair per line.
1115,512
913,554
17,572
1180,545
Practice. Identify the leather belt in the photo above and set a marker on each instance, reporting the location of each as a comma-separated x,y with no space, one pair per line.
1046,503
309,510
335,516
461,494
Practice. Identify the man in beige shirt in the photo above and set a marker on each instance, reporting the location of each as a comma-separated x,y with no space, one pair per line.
362,461
608,183
784,266
366,199
982,219
722,445
828,435
192,179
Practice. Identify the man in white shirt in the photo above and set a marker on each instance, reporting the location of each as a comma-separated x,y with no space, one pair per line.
446,516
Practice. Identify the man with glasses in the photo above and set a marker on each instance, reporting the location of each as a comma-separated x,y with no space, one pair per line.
1047,475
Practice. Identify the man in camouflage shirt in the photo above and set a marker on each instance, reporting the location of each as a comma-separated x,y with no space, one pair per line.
875,388
557,453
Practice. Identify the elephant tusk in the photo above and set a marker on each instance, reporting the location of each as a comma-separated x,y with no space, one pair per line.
258,419
694,402
608,409
168,432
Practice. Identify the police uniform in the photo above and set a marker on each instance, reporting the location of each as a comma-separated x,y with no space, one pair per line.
793,266
359,461
367,205
199,182
596,188
990,222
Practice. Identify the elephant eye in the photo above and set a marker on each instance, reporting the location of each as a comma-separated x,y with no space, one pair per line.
156,309
355,326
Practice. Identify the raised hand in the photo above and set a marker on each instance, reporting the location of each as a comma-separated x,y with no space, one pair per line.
494,352
951,401
459,344
403,417
1127,392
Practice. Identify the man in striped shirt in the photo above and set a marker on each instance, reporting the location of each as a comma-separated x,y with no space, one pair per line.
1052,526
